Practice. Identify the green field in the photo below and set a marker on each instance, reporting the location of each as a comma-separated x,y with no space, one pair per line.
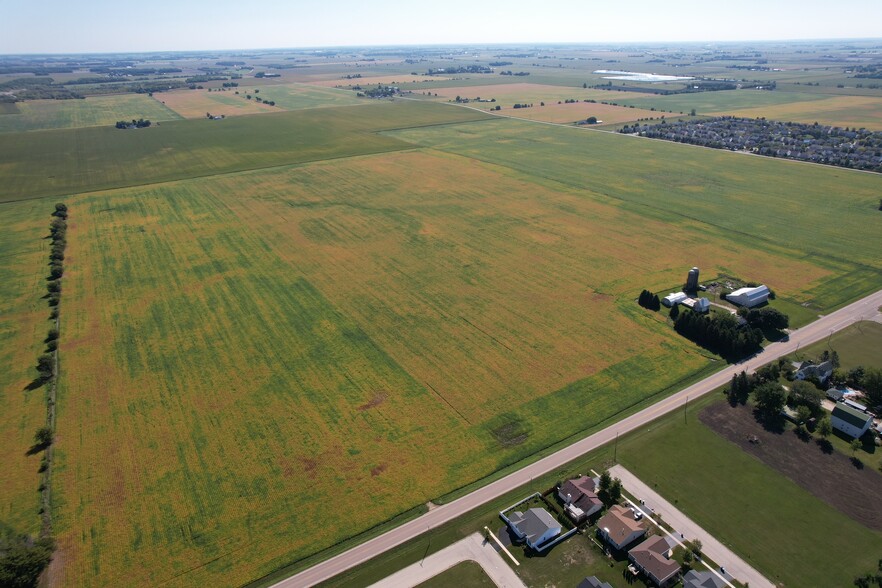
734,497
97,111
53,163
284,330
857,345
723,102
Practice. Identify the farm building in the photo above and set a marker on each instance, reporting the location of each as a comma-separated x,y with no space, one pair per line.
850,421
593,582
653,558
697,304
579,498
749,297
694,579
821,371
674,298
535,527
619,528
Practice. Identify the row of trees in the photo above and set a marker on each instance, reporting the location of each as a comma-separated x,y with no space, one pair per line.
649,300
134,124
720,334
765,318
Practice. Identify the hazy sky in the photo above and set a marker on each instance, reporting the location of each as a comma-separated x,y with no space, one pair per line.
57,26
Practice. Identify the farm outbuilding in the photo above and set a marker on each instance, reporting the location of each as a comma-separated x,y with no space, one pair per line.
850,421
749,297
674,298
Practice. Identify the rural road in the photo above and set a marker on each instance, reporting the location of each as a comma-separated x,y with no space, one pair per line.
710,545
864,309
474,548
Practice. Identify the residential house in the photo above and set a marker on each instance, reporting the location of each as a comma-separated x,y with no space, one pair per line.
619,528
821,371
535,527
850,421
653,558
580,500
593,582
749,297
694,579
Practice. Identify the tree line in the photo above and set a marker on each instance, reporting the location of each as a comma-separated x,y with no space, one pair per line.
720,333
649,300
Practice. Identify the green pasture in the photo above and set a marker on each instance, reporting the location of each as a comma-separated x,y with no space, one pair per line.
51,163
734,497
709,102
824,214
35,115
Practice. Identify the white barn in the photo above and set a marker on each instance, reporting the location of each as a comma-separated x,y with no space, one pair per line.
674,298
749,297
850,421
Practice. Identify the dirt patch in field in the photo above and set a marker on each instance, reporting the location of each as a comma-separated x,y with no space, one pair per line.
379,469
374,402
832,477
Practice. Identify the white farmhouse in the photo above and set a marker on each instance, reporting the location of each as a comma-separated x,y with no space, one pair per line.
850,421
749,297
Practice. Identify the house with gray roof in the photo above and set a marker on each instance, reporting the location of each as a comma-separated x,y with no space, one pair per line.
653,558
535,527
593,582
849,420
694,579
821,371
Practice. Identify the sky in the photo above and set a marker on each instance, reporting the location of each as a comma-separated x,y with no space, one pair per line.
96,26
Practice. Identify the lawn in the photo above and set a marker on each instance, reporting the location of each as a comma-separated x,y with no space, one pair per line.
60,162
736,497
467,573
97,111
857,344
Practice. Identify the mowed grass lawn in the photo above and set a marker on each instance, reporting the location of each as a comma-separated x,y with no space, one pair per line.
778,527
338,342
810,213
53,163
24,254
96,111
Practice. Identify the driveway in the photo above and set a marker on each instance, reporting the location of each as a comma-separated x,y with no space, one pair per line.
722,555
473,548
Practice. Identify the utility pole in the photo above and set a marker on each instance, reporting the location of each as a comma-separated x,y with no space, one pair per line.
616,448
685,407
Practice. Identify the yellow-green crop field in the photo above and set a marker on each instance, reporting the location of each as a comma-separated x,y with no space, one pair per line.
95,111
258,364
842,111
196,103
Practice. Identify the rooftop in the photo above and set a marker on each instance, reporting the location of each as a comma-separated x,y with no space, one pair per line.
850,415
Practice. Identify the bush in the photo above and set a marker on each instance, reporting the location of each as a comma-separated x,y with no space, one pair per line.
21,565
44,366
43,437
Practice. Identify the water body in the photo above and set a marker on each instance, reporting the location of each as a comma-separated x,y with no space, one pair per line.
636,76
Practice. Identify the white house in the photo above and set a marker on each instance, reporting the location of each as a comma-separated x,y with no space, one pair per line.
536,526
674,298
850,421
749,297
821,371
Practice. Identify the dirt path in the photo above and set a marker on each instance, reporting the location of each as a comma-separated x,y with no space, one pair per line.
832,477
474,548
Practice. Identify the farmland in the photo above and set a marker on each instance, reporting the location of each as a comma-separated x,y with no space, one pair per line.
95,111
196,103
843,111
283,329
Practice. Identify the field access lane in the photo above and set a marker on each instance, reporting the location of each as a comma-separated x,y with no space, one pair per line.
864,309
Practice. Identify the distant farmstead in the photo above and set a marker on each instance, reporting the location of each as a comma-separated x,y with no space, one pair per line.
749,297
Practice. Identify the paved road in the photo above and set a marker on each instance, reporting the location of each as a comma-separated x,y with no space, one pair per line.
474,548
864,309
722,555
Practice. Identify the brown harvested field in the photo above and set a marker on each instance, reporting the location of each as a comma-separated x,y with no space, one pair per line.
373,80
842,111
565,113
195,103
829,476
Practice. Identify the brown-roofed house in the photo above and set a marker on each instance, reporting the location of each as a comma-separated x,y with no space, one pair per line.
652,557
579,498
619,528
